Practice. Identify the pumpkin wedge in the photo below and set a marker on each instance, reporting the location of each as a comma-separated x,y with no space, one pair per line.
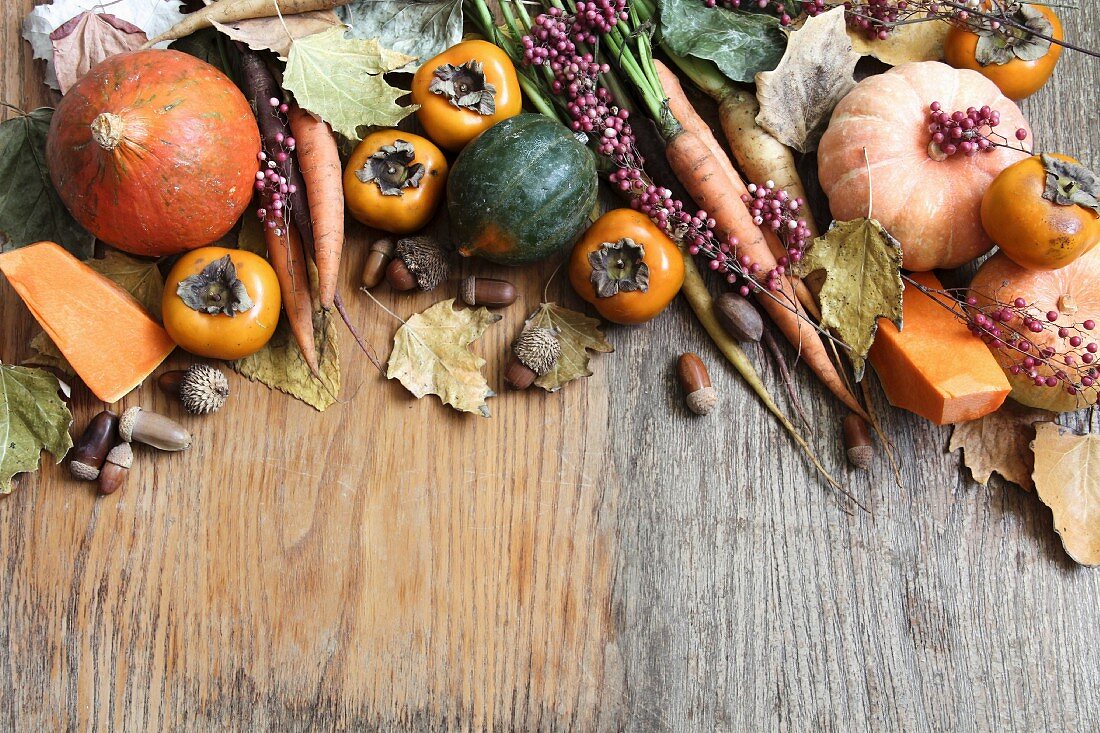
107,337
934,366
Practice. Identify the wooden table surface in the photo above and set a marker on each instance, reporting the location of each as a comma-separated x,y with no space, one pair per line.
598,559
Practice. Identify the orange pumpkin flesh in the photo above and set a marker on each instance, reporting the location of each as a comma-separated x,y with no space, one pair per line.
107,337
934,366
1075,287
932,207
154,152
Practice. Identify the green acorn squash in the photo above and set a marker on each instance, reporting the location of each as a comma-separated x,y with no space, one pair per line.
521,191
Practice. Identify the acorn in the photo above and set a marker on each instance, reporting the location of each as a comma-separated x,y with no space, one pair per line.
91,449
117,466
857,442
419,262
699,394
485,291
152,429
202,388
534,353
378,258
739,317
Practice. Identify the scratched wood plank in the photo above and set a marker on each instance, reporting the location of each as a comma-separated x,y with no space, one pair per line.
596,560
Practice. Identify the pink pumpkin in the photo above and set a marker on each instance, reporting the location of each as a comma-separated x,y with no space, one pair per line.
933,207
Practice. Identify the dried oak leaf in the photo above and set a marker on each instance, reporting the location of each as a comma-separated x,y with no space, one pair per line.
1067,479
32,418
87,39
862,265
140,278
343,82
577,334
913,42
1000,443
816,71
277,34
430,356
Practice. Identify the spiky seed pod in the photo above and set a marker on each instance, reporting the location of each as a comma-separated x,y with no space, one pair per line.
425,260
538,349
203,389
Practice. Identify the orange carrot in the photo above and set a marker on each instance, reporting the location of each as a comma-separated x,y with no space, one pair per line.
319,161
284,249
708,180
682,109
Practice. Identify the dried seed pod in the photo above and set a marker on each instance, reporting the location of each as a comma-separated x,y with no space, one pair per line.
534,353
484,291
116,468
203,389
700,396
857,442
91,449
152,429
418,260
739,317
378,258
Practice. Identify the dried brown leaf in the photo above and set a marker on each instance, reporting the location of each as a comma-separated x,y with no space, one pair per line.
1067,479
87,39
577,334
797,98
1000,443
913,42
277,34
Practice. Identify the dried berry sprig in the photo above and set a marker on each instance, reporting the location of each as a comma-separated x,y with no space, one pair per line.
273,178
967,132
773,208
774,7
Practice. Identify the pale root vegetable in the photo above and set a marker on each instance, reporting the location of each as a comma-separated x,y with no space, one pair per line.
287,256
231,11
1073,292
319,161
932,206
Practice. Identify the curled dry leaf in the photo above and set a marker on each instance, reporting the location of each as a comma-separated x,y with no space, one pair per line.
577,334
862,266
1000,443
1067,479
87,39
913,42
421,29
277,34
431,356
797,98
32,418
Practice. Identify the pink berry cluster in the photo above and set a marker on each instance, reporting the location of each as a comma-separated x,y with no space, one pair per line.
967,133
873,17
778,8
271,179
774,209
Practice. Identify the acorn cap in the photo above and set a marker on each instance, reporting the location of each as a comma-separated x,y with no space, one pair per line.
425,259
203,389
83,471
126,424
702,400
538,349
121,455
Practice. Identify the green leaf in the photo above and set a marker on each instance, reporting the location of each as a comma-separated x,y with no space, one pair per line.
30,209
577,334
140,278
741,44
32,418
430,356
862,265
341,81
280,364
420,29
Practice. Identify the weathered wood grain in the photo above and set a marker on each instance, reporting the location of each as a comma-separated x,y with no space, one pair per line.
594,560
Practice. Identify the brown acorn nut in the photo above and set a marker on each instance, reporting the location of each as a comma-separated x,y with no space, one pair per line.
485,291
201,388
534,353
91,449
857,442
419,262
700,396
739,317
152,429
378,258
117,467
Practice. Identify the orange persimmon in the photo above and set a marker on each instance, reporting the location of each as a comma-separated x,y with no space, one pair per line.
395,181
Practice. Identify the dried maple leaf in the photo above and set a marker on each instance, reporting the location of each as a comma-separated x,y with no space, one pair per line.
1067,479
797,98
577,334
277,34
862,265
913,42
430,356
32,418
87,39
1000,443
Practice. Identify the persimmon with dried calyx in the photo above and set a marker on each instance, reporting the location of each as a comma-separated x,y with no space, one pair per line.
464,91
395,181
1018,62
221,303
626,267
1043,212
